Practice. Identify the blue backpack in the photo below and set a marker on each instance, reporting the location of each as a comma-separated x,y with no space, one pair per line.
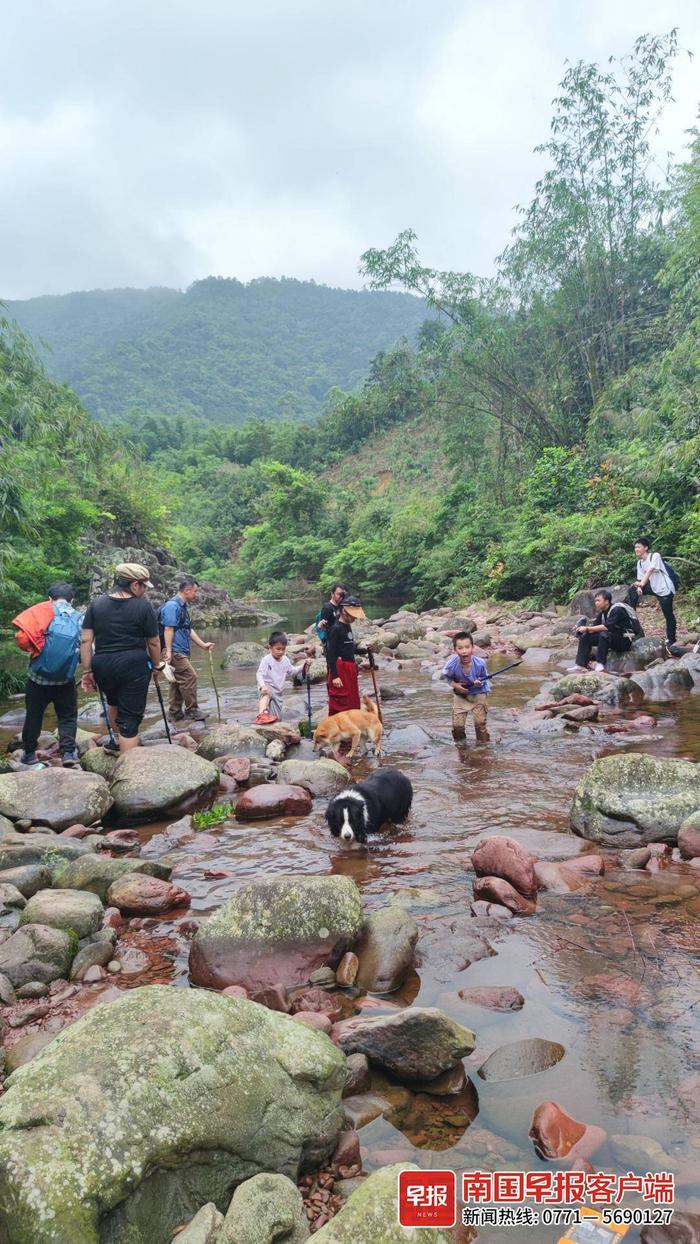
58,659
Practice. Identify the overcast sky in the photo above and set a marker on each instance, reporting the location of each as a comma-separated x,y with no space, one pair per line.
153,142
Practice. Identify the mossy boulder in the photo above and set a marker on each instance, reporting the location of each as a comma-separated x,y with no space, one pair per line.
277,931
243,652
152,783
56,798
65,909
604,688
369,1215
45,849
232,739
630,800
265,1209
36,952
641,654
322,778
97,760
153,1105
97,872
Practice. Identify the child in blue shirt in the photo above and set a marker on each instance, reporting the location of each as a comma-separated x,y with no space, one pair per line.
469,679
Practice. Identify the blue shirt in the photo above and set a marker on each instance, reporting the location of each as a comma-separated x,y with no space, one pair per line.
176,613
454,671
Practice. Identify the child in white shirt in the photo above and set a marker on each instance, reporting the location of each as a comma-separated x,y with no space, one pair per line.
274,671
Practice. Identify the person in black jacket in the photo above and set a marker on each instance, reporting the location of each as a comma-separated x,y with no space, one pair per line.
343,685
612,630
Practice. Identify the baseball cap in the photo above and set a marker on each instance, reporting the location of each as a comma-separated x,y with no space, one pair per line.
352,606
134,572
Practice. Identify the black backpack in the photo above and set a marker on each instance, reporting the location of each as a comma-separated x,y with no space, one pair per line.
672,574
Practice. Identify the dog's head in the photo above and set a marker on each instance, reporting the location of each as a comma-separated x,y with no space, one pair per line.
321,734
347,817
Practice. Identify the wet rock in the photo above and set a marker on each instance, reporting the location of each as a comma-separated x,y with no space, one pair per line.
27,1014
684,1229
556,1135
346,972
558,878
7,993
238,768
666,682
76,910
688,837
494,997
321,778
324,977
98,953
36,952
94,974
275,751
95,873
139,895
603,688
385,950
28,878
631,800
446,1085
315,999
11,898
357,1075
100,762
25,1049
496,890
506,858
45,848
232,740
521,1058
369,1215
637,858
415,1044
204,1227
273,799
640,1153
77,831
121,840
409,738
235,991
273,996
265,1210
152,783
56,798
279,929
314,1019
641,654
482,908
235,1087
243,653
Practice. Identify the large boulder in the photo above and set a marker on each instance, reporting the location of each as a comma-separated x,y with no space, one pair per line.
688,838
272,799
65,909
667,681
45,849
641,654
603,688
54,797
139,895
152,783
322,778
97,760
28,878
267,1209
369,1215
37,953
506,858
277,931
97,872
633,799
153,1105
418,1043
232,739
386,950
243,652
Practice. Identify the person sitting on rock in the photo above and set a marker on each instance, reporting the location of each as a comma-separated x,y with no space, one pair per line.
178,635
341,649
274,671
612,630
468,677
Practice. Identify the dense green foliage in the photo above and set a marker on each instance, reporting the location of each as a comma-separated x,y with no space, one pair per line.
514,449
223,351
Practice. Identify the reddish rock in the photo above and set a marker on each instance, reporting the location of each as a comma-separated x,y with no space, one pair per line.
238,768
357,1075
313,1019
272,799
235,991
227,786
77,831
112,919
274,997
689,838
185,740
498,890
347,1150
482,908
317,1000
616,986
27,1013
556,1136
495,997
139,895
590,865
93,974
506,858
684,1229
121,840
346,970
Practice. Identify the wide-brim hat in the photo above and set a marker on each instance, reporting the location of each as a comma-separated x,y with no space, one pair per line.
351,605
133,572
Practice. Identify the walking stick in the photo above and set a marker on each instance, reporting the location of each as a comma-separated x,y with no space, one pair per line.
308,704
378,698
213,683
159,693
505,669
105,714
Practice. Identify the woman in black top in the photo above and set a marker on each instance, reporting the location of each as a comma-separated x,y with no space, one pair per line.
123,627
343,686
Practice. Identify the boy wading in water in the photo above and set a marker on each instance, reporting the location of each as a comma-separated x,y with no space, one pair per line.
274,671
469,679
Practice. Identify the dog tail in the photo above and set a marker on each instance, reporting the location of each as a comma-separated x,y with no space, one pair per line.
370,706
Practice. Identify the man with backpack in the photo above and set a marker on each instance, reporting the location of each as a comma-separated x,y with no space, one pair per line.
613,629
656,578
50,633
330,612
177,636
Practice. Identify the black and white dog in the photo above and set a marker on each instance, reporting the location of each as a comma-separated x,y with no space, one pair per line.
386,795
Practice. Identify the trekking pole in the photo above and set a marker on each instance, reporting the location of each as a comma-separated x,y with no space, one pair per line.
308,703
378,698
213,683
159,693
105,713
505,669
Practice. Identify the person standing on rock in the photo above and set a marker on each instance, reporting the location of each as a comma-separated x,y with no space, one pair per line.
53,646
177,637
343,682
612,630
655,579
123,628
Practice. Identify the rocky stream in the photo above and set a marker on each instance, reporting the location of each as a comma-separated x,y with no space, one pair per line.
236,1035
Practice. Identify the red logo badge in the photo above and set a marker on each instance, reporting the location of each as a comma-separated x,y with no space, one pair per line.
427,1198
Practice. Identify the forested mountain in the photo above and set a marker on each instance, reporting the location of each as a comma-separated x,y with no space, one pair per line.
222,351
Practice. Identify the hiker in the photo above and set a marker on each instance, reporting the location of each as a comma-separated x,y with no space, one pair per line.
177,636
468,676
50,633
329,613
655,578
343,683
612,630
274,671
123,627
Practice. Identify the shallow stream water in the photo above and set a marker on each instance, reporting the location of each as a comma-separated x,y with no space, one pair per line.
610,972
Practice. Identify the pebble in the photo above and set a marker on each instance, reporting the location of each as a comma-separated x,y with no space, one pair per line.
94,974
313,1019
347,969
114,966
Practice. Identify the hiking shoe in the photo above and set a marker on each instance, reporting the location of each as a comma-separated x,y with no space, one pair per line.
28,758
195,714
576,669
70,760
265,719
178,716
598,668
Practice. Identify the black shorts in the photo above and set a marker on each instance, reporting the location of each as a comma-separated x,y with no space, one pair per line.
123,678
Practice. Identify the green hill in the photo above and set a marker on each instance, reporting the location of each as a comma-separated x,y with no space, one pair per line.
222,351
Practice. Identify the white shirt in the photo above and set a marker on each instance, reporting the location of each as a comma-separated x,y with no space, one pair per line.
273,674
659,581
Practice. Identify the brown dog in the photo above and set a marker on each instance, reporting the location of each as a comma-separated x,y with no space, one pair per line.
349,727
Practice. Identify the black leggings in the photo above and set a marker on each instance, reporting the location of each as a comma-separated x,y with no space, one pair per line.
604,643
38,696
123,679
666,603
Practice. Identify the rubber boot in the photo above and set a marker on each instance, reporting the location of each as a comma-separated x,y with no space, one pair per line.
459,734
482,734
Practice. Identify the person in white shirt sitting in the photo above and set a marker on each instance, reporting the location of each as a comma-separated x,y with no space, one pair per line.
653,579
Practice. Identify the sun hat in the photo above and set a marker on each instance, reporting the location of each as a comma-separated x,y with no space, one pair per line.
351,605
133,572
